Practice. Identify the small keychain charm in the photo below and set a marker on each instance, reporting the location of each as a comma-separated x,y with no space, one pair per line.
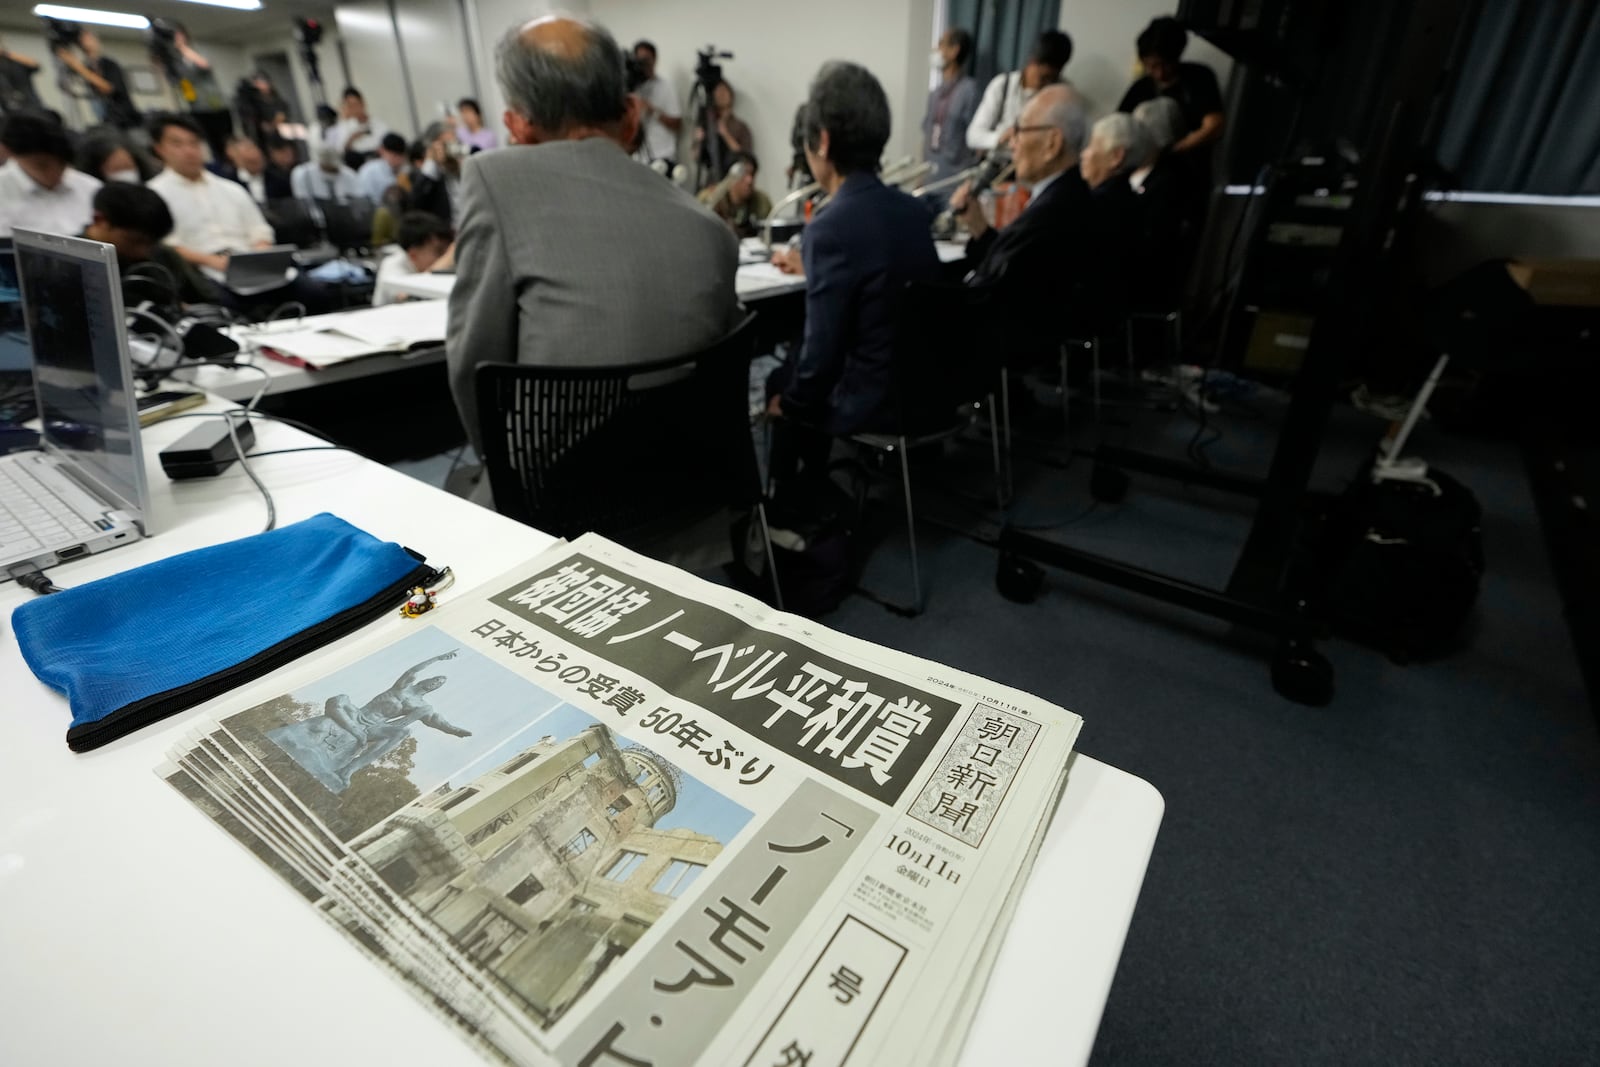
423,600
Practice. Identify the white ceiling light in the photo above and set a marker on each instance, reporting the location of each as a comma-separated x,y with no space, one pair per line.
237,5
99,18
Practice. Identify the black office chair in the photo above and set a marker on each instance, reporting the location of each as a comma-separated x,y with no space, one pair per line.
292,223
637,453
348,223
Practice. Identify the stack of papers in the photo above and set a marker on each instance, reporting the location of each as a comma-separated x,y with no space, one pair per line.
401,327
599,811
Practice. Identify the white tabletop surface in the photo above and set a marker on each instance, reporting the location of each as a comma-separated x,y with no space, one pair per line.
754,281
133,932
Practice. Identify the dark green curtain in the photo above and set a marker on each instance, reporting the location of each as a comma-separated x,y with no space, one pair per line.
1525,113
1002,30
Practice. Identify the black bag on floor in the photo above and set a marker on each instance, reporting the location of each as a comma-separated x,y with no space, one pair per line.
815,547
1401,562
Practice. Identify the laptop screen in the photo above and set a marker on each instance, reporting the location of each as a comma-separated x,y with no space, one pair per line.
72,305
14,355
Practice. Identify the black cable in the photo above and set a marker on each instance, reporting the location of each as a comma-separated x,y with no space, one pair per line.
31,578
305,448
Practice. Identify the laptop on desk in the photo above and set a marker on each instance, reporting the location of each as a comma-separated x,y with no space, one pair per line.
16,359
84,489
253,273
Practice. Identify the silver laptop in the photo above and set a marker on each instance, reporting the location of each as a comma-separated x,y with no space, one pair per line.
253,273
84,489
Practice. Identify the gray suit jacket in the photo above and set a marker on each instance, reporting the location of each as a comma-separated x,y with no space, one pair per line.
571,253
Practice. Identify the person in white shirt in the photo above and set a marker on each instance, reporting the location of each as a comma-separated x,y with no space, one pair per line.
356,133
376,175
660,115
326,179
1002,101
39,189
212,216
423,239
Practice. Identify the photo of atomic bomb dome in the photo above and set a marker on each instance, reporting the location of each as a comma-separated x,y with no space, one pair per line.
551,865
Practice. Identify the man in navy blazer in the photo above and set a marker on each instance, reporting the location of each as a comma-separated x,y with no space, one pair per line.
859,252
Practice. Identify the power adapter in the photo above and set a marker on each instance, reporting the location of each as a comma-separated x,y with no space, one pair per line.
207,450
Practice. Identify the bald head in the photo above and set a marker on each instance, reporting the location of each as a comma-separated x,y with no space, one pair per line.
1051,131
561,77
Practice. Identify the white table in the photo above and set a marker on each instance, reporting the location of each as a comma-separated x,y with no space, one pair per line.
241,385
133,932
753,282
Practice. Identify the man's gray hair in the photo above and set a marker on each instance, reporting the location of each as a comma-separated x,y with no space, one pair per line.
1065,113
1118,130
1162,119
556,91
434,131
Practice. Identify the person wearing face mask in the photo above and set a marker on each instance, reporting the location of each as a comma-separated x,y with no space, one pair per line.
39,188
951,107
991,125
105,154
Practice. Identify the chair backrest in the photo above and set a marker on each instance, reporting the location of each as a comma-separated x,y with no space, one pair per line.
349,222
292,223
632,452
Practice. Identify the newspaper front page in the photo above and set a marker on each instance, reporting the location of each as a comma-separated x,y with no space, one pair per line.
600,812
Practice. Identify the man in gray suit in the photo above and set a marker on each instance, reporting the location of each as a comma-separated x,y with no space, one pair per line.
569,252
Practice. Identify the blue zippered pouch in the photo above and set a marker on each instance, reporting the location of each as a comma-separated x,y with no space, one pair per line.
136,647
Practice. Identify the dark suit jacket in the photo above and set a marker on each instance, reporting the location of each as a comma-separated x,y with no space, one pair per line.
859,253
277,179
1166,235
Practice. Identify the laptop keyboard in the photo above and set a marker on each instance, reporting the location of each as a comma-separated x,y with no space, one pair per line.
32,517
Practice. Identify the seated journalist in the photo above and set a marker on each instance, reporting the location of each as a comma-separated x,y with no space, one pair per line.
569,252
859,252
135,220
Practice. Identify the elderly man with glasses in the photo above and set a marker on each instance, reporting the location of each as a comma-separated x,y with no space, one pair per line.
1036,261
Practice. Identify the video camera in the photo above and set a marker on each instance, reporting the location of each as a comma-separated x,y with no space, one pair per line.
708,72
307,33
60,33
632,73
164,47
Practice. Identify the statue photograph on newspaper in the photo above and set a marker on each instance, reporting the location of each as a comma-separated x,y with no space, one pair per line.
526,834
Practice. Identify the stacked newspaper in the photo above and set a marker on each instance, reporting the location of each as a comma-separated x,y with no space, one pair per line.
600,812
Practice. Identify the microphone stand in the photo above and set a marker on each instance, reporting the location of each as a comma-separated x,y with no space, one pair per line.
793,198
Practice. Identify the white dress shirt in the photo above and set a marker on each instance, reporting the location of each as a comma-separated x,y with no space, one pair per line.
338,135
210,214
659,142
1001,104
308,181
395,265
66,209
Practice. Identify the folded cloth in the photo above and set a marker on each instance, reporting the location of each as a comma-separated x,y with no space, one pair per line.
136,647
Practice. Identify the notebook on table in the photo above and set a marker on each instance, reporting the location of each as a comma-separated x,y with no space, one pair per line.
83,490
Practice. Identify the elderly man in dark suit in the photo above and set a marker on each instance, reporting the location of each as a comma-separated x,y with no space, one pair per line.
858,254
1064,253
569,252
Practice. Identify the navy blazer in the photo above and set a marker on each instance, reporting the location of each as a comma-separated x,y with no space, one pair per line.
859,252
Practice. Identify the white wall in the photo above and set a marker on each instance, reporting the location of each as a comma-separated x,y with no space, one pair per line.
777,49
368,35
1103,60
436,55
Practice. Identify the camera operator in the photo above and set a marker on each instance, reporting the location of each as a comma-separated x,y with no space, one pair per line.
102,74
191,74
261,108
733,135
660,116
16,82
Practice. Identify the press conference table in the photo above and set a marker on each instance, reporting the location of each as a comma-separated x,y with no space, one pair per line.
134,932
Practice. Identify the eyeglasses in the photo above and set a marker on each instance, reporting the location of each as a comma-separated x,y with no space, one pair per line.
1019,128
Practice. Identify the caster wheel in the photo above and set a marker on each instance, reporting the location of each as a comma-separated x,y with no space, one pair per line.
1018,579
1302,674
1108,484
